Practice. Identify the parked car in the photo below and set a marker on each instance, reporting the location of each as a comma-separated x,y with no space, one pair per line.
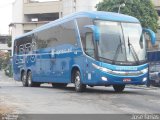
154,73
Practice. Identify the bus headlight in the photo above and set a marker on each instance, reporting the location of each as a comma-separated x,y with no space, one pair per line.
104,78
144,71
144,79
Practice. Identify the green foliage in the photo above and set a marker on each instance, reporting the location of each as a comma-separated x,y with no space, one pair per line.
1,63
141,9
6,60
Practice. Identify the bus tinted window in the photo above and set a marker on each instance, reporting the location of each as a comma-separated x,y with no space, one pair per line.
23,45
20,46
89,48
61,34
81,23
68,33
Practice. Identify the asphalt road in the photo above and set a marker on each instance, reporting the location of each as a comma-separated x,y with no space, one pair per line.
97,100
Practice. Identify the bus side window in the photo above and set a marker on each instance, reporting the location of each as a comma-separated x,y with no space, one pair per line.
21,49
28,48
89,44
81,23
34,46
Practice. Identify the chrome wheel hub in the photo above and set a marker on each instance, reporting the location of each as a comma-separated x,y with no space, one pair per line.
77,81
29,80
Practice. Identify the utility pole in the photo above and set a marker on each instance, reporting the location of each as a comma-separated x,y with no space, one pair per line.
122,5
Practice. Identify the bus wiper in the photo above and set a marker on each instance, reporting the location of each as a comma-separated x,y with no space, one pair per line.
117,50
132,50
104,58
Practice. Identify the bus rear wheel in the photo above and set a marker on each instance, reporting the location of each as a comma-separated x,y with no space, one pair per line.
79,87
24,80
30,82
118,88
59,85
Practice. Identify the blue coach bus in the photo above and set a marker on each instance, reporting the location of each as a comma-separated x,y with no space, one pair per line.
85,48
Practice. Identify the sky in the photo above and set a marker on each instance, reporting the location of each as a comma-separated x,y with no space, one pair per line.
6,15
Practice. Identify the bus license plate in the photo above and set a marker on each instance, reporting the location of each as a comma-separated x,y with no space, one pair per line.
127,80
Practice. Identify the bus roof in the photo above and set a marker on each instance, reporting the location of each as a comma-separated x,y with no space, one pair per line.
101,15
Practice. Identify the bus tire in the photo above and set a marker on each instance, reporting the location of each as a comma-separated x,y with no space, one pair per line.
79,87
30,82
118,88
59,85
24,79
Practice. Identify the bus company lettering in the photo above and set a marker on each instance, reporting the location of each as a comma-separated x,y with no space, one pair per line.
126,68
64,51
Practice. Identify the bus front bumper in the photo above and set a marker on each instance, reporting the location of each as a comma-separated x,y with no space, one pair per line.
108,79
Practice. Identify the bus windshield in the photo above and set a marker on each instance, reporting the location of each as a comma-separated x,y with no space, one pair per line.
121,43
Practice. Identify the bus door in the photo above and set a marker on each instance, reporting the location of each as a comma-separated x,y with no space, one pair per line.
37,68
45,69
90,58
53,64
59,62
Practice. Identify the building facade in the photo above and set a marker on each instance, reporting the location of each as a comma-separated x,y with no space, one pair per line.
71,6
30,14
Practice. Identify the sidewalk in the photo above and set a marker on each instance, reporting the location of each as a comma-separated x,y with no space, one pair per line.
5,110
7,81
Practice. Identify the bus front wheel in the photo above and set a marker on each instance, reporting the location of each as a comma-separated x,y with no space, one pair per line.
79,87
118,88
30,82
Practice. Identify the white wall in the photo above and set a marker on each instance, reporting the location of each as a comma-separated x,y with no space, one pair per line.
86,5
17,11
69,6
17,17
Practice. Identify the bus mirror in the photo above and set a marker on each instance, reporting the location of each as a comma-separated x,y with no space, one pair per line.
53,53
97,34
151,34
95,31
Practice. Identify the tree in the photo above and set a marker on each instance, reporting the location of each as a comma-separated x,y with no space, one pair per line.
141,9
